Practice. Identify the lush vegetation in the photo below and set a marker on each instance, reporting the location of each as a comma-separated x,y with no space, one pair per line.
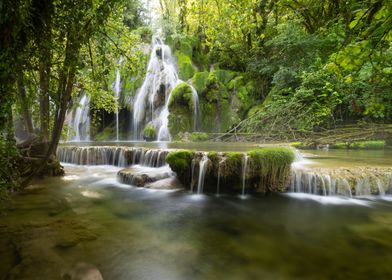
316,64
279,69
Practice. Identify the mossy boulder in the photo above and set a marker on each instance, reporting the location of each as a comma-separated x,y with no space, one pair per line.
180,162
149,132
271,166
267,169
181,110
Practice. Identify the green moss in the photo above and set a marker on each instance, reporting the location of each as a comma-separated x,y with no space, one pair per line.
182,96
185,67
224,76
107,134
339,145
149,133
199,81
199,136
233,164
181,109
368,145
180,162
273,166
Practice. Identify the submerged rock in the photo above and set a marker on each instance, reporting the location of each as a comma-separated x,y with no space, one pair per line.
171,183
82,271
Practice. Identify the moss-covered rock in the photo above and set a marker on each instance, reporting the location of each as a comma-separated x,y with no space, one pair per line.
271,166
267,169
180,162
199,81
185,66
181,109
149,132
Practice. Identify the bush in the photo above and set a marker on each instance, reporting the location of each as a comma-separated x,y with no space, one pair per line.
199,136
368,145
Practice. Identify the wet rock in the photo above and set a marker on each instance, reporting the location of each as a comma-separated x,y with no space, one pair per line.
82,271
140,175
165,184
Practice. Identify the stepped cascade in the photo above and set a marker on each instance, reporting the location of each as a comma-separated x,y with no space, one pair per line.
116,156
79,121
151,106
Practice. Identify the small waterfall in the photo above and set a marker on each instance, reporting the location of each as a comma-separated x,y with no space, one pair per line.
79,125
152,99
117,91
219,175
359,182
202,172
244,169
116,156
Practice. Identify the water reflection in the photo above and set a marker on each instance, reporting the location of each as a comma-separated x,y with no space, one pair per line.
132,233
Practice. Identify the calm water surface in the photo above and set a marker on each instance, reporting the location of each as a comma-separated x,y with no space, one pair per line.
130,233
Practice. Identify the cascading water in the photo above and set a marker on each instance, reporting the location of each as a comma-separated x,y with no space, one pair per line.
117,156
79,125
219,175
244,169
202,172
358,182
117,91
151,104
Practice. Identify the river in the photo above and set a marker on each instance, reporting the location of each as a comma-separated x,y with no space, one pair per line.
135,233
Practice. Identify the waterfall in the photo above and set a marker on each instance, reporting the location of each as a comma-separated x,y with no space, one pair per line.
193,164
117,156
244,168
117,91
341,181
202,172
79,125
151,104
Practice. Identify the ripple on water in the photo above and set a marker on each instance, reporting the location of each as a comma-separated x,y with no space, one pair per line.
332,200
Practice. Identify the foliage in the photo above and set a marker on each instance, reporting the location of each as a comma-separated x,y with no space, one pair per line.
149,132
199,136
9,173
368,145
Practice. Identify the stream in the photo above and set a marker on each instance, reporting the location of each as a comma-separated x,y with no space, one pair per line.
88,217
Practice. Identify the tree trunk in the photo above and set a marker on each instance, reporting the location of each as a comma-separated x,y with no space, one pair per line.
24,104
44,72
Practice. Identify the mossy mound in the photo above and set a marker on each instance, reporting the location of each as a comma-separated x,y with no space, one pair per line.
180,162
199,81
149,132
267,169
181,109
272,167
185,66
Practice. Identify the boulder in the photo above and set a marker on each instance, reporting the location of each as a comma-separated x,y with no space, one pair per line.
140,176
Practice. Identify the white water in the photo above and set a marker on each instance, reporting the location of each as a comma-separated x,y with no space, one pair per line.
117,91
202,172
337,182
244,169
79,125
152,99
